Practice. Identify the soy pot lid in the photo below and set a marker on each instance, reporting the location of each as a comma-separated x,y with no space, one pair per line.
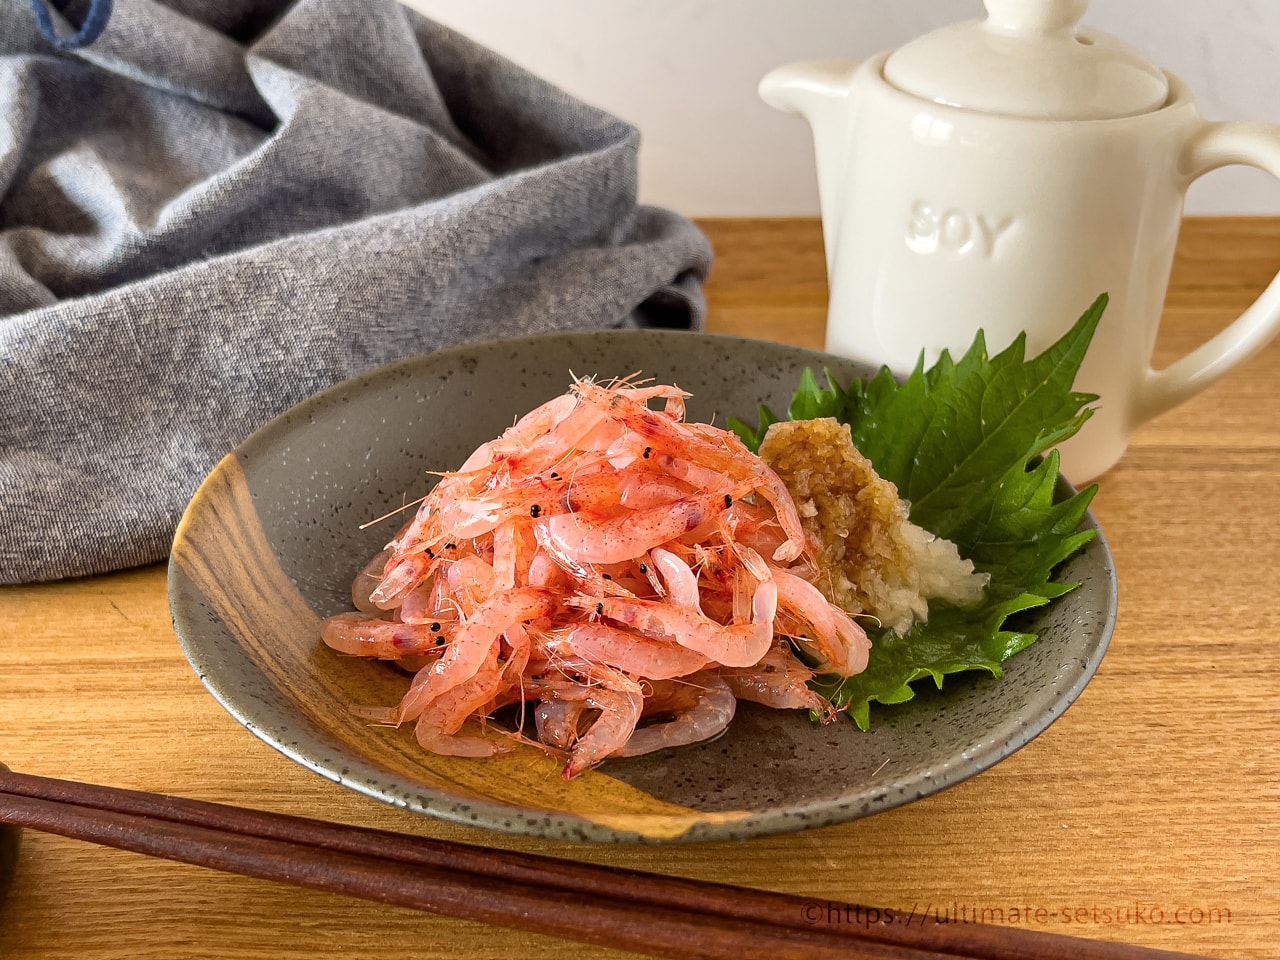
1029,58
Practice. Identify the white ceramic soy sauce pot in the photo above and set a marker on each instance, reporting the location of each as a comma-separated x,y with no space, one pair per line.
1000,174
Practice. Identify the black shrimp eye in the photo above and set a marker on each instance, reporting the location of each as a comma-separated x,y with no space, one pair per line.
644,568
607,576
599,609
435,628
728,500
534,511
647,451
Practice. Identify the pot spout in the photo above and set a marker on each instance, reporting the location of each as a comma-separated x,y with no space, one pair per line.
818,90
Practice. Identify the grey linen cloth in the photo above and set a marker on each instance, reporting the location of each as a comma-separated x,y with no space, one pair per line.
217,209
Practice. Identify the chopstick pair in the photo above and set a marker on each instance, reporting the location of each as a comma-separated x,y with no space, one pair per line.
643,912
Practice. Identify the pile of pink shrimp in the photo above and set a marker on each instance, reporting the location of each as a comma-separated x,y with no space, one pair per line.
621,574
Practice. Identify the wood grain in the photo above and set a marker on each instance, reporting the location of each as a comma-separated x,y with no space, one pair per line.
1154,800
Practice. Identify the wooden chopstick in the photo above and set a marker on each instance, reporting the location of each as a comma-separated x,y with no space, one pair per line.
643,912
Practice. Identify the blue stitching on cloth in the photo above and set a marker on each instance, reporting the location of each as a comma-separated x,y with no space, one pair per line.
95,22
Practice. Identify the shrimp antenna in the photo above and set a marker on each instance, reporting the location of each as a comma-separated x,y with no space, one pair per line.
457,608
386,516
684,681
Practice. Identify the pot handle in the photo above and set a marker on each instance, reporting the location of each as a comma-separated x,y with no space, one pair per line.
1219,145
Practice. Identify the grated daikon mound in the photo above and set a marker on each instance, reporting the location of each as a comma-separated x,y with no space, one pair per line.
871,558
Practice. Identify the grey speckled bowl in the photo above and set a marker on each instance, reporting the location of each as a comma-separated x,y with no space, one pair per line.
272,539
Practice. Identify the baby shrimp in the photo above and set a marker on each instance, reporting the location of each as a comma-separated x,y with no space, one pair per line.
488,510
739,645
713,705
522,459
633,486
417,537
540,437
632,653
471,644
505,557
593,686
837,639
674,407
404,573
364,636
645,568
752,562
366,581
754,526
490,465
774,491
555,668
400,577
557,721
681,582
690,472
619,713
643,490
431,736
538,422
470,581
641,393
444,716
780,681
474,517
616,539
709,447
668,392
587,577
742,595
422,603
546,573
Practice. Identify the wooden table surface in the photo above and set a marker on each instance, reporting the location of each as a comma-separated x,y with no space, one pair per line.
1149,813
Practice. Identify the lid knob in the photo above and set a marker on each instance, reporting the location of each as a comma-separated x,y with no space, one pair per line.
1021,17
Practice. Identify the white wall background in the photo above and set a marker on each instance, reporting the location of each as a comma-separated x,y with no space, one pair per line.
685,73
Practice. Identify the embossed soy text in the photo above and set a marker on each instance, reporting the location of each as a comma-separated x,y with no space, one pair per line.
931,229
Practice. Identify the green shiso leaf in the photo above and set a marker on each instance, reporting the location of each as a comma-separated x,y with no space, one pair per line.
964,442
